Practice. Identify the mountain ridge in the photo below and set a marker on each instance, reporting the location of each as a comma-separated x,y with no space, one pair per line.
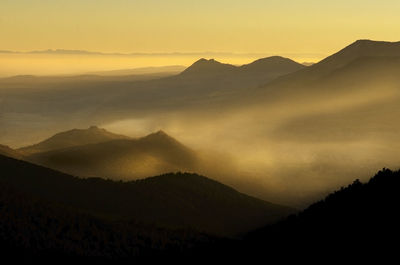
174,200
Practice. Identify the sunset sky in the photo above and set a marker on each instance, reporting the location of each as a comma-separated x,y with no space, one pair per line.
252,26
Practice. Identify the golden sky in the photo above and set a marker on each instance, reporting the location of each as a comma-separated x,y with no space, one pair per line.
296,27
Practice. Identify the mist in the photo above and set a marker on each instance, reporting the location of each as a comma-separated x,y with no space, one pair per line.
291,152
290,140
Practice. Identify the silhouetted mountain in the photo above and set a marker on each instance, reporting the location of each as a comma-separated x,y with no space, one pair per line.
359,220
72,138
271,67
173,200
118,159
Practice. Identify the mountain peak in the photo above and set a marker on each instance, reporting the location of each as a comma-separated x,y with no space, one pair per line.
160,134
204,66
273,63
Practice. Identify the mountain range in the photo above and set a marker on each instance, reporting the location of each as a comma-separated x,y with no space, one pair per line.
317,126
105,95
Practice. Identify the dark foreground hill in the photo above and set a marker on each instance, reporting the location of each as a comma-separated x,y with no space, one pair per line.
34,230
360,221
171,200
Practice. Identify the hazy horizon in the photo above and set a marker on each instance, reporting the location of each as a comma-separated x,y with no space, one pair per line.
232,31
44,64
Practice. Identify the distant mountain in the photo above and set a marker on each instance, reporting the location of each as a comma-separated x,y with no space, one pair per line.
72,138
206,82
273,64
92,98
76,152
173,200
269,67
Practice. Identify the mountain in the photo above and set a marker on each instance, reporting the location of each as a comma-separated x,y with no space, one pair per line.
265,67
112,156
361,48
173,200
361,66
358,50
72,138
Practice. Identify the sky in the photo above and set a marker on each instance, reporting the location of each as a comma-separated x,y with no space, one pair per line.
274,26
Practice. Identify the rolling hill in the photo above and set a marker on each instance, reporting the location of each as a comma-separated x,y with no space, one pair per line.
172,200
98,153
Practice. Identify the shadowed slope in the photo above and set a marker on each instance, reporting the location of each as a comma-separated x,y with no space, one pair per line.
7,151
72,138
154,154
33,229
176,200
360,218
361,48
